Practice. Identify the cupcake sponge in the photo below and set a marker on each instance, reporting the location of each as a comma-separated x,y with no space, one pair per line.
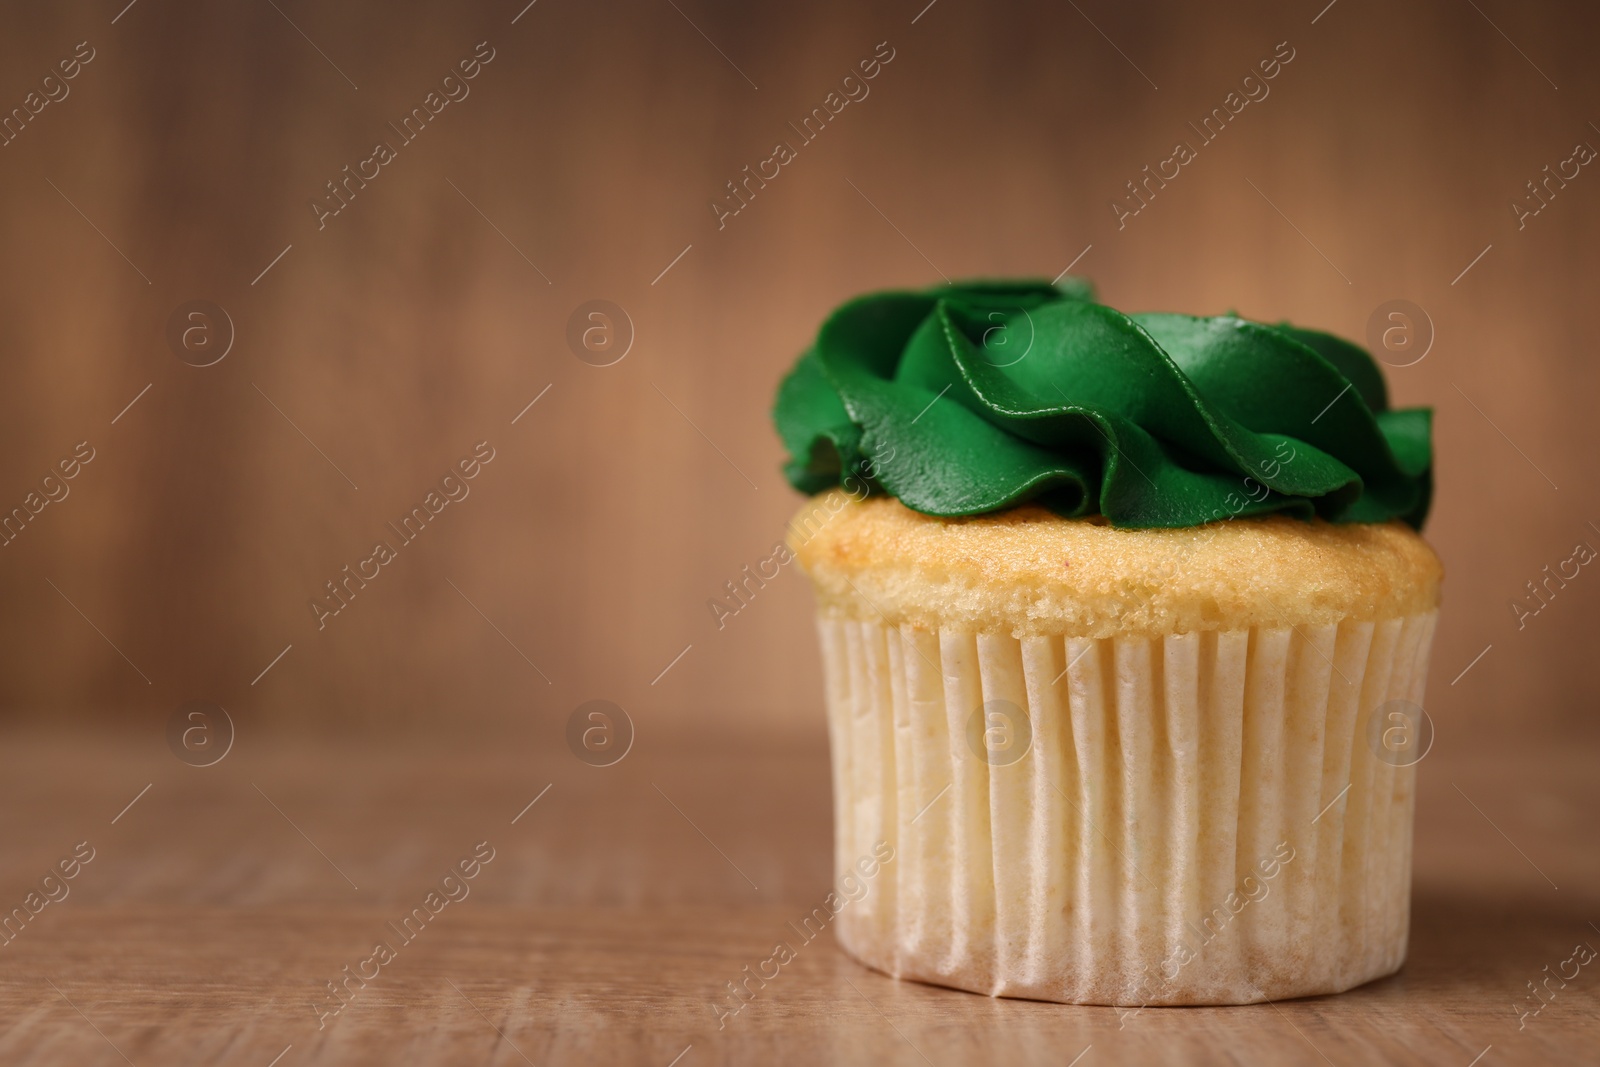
1028,571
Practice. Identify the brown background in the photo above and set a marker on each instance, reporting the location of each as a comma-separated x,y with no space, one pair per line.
408,328
376,751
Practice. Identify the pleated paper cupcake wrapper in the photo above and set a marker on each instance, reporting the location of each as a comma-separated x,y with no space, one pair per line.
1196,819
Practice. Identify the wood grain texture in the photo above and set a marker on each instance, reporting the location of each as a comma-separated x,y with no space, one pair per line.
617,908
419,320
369,358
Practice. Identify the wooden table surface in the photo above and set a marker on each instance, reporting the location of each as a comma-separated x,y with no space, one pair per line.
220,904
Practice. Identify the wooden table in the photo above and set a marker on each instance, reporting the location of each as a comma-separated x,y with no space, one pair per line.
615,908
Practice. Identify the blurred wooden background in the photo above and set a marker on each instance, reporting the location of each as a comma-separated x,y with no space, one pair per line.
425,316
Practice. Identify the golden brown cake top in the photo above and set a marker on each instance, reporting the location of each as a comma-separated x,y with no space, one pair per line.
1029,571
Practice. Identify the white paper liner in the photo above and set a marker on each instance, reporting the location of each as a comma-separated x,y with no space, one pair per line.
1162,774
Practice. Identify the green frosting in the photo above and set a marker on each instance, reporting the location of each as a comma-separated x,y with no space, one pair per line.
969,398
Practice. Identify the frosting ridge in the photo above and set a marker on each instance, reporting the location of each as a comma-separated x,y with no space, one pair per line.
970,398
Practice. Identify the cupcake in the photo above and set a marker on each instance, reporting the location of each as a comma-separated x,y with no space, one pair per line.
1125,623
